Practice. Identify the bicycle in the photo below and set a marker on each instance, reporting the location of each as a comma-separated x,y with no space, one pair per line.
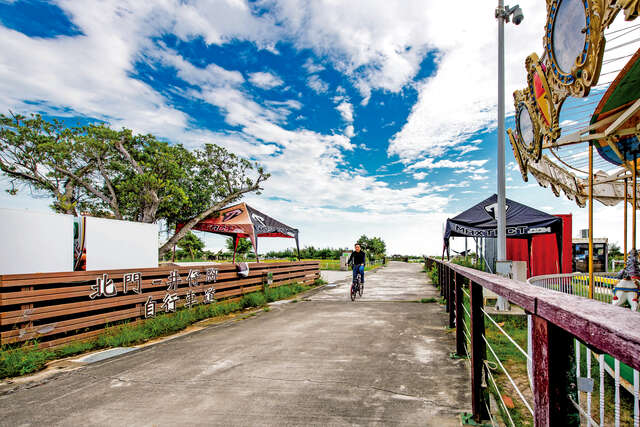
357,287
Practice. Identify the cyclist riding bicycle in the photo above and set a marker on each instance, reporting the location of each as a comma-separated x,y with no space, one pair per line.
357,260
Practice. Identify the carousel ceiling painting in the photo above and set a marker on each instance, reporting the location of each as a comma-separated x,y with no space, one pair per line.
583,91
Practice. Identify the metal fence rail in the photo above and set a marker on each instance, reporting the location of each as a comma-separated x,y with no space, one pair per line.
55,308
577,284
558,321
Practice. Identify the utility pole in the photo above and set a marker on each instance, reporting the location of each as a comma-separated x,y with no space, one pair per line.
502,14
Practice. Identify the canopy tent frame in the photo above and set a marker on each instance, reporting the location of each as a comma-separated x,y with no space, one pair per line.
523,222
243,221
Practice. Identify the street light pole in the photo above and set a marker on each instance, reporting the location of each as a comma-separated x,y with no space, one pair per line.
501,211
502,267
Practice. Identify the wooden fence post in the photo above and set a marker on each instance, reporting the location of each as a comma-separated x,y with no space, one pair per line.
451,298
445,292
479,401
440,277
553,375
460,338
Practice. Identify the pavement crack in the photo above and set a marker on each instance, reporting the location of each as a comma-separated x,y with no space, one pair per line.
360,386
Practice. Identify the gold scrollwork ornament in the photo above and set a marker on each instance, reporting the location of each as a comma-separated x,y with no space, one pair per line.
547,106
522,102
519,154
586,68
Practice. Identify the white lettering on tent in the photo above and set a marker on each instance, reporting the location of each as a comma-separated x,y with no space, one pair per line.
491,209
259,219
539,230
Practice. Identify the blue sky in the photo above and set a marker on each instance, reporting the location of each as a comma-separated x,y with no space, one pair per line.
373,117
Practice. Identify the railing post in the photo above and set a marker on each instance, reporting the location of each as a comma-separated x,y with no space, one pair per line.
441,282
479,401
553,376
451,298
447,281
460,338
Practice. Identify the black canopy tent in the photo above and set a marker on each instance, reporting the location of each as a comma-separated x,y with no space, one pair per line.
523,222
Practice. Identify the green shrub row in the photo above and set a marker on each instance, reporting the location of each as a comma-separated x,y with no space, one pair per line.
29,357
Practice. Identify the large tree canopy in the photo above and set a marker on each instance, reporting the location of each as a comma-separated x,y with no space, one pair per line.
122,175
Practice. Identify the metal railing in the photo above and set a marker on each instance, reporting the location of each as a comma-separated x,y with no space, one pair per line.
578,284
604,283
567,334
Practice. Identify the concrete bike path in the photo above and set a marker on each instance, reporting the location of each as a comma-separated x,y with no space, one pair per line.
399,281
321,361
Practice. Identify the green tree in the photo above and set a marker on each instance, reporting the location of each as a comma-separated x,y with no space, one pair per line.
614,250
123,175
375,246
29,147
192,244
244,246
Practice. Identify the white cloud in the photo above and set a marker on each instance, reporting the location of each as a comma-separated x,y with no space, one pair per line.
420,175
349,132
317,84
89,74
460,100
312,67
430,163
265,80
346,111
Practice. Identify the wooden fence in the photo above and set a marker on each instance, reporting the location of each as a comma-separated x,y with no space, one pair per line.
557,319
56,308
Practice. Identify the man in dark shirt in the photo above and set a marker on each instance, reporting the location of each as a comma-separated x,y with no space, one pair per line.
357,259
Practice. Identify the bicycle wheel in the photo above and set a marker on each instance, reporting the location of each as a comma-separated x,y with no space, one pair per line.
353,291
360,287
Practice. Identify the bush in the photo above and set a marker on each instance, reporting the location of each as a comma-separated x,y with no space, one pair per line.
434,275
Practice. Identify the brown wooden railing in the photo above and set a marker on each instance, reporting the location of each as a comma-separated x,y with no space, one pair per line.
55,308
556,318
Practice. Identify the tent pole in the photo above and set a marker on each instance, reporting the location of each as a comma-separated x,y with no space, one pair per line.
298,246
635,192
529,249
173,258
235,248
255,249
591,219
626,201
466,255
477,254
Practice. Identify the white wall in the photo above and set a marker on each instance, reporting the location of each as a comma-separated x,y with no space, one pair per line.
113,244
35,242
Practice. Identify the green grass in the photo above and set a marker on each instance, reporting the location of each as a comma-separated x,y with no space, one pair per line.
427,300
512,359
626,398
29,357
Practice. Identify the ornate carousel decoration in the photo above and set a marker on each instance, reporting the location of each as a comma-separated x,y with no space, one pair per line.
574,46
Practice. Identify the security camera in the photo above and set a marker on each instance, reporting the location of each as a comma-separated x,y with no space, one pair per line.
518,16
